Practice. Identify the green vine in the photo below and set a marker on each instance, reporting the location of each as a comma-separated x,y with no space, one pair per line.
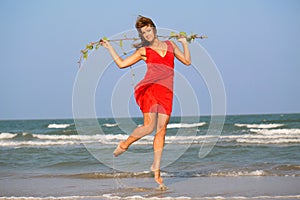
96,45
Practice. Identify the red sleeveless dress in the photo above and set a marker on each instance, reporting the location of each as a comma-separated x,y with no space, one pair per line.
154,93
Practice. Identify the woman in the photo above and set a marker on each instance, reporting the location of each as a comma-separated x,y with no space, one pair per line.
154,94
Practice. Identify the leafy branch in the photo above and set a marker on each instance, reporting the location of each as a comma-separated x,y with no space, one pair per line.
97,44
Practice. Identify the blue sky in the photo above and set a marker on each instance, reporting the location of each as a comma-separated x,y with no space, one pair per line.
254,43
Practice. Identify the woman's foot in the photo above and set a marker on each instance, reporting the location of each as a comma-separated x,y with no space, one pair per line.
158,179
119,150
162,187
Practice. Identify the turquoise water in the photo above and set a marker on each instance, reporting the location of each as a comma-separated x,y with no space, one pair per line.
250,145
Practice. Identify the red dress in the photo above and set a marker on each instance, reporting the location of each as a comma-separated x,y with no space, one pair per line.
154,93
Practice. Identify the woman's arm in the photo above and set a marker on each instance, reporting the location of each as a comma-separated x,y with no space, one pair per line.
130,60
184,56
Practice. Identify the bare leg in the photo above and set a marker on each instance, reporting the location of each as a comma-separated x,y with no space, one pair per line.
138,133
158,145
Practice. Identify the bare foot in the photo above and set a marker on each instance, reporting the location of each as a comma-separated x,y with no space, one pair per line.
162,187
158,179
119,150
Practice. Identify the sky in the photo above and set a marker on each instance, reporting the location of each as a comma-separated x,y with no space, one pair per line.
254,44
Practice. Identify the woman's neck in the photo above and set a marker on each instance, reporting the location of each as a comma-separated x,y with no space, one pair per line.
156,42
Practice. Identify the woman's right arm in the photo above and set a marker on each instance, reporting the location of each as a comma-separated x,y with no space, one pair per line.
128,61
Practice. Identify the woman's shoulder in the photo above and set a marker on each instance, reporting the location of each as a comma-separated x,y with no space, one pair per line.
171,43
141,50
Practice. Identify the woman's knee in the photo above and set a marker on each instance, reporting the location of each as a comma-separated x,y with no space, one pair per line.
150,128
161,128
149,122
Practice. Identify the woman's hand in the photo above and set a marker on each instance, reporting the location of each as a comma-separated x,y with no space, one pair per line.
105,43
182,39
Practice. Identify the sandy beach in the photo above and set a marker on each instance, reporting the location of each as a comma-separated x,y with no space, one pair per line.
144,188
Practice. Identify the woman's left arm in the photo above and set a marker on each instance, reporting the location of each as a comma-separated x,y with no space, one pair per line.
185,56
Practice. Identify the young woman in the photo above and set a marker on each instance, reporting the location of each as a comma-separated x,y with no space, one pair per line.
154,94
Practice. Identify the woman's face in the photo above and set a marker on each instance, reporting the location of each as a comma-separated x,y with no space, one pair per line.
148,33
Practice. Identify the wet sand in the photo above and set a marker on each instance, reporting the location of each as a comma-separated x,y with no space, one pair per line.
259,187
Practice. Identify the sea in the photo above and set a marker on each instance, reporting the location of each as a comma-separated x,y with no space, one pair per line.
248,146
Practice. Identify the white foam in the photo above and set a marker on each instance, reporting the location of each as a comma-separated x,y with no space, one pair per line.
7,135
110,125
68,137
138,197
119,137
110,196
51,198
52,140
260,136
259,139
240,173
169,126
268,141
37,143
184,125
24,134
261,126
276,131
266,136
58,125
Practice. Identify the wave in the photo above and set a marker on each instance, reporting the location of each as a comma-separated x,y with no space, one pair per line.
36,143
288,167
68,137
260,126
269,136
7,135
104,196
169,126
148,174
103,175
138,197
240,173
184,125
54,140
294,131
267,141
182,174
59,125
254,136
110,125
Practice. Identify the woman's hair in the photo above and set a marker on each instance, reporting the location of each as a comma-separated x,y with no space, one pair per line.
140,23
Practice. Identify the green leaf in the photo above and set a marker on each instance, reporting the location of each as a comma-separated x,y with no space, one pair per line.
121,43
97,46
104,38
85,55
89,46
172,34
182,33
84,51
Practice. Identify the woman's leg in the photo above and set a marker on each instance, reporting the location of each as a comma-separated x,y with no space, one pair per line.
138,133
158,145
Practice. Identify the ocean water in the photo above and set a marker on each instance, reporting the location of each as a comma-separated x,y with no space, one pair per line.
249,146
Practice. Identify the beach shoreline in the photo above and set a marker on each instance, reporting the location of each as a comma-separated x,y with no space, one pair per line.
255,158
255,187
